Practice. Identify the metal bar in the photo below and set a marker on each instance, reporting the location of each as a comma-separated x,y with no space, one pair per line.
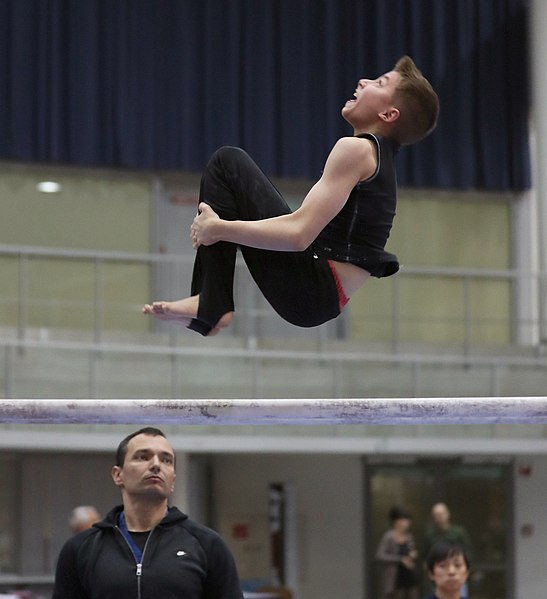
543,309
465,410
8,372
466,316
22,302
75,253
476,360
78,254
395,315
98,311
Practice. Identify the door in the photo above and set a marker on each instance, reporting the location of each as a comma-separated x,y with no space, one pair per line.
479,499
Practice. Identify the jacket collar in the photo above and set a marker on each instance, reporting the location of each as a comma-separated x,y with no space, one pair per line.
111,520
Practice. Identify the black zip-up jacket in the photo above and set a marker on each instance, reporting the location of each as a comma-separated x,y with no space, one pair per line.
181,559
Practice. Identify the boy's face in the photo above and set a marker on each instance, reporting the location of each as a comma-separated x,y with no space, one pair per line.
372,97
450,574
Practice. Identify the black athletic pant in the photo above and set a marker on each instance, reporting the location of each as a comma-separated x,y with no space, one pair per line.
299,285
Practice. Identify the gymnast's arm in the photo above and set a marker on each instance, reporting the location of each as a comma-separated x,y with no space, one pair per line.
351,160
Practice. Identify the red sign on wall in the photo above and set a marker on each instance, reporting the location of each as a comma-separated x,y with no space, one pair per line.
240,531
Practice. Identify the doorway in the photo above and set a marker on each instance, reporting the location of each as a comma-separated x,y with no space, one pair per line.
479,498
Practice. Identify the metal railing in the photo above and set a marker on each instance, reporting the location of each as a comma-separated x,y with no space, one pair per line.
261,337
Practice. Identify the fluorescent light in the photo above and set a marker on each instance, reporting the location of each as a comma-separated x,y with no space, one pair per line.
48,186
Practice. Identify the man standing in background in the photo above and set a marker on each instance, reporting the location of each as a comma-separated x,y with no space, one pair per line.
441,528
145,548
83,517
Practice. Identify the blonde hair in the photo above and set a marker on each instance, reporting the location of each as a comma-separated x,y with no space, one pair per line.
417,102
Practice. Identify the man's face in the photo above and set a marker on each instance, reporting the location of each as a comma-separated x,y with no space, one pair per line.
441,516
92,517
148,468
450,574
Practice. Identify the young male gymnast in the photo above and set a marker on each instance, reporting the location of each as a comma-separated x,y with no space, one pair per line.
309,262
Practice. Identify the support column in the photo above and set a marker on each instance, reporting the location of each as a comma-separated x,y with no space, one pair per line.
525,261
181,496
538,125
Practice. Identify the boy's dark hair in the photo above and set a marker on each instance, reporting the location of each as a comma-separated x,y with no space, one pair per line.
417,102
121,452
445,549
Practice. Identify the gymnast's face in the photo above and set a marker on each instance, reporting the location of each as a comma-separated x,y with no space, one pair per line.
372,100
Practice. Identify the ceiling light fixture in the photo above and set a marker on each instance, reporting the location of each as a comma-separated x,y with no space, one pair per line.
49,187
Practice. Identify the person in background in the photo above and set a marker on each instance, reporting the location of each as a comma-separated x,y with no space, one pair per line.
146,548
442,528
448,569
83,517
397,554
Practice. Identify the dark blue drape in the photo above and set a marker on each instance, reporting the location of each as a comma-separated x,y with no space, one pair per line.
160,84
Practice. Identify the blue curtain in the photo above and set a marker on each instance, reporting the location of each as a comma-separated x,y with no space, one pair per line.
160,84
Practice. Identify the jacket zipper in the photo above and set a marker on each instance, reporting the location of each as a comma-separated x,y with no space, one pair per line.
139,566
138,569
139,574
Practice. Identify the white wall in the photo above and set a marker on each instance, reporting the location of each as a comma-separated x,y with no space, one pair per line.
531,528
330,504
328,491
51,485
329,510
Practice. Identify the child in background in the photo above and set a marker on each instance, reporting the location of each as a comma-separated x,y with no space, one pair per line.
448,568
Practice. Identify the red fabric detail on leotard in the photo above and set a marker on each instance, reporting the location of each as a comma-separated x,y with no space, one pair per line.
343,299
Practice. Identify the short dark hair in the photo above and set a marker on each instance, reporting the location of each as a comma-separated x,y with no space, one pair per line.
121,452
397,513
445,549
417,101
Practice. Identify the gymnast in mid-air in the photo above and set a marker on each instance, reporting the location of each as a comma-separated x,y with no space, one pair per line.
308,262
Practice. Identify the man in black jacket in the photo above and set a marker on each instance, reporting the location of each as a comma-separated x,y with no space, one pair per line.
145,549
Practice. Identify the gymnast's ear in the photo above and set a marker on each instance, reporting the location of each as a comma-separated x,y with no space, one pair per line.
390,115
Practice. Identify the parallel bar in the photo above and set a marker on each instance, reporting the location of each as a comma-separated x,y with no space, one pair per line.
463,410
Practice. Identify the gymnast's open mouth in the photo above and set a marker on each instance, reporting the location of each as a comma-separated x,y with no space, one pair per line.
355,97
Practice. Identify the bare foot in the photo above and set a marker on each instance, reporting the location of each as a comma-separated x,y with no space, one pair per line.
182,312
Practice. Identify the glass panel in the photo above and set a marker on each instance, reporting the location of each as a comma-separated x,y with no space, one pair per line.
481,501
478,499
50,373
9,290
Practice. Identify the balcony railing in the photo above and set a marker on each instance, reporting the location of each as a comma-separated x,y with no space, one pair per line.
85,306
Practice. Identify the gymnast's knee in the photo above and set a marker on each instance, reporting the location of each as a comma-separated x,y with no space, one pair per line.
227,154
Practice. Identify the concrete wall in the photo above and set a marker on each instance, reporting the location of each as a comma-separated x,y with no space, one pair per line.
329,512
95,210
117,211
530,528
327,525
51,485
